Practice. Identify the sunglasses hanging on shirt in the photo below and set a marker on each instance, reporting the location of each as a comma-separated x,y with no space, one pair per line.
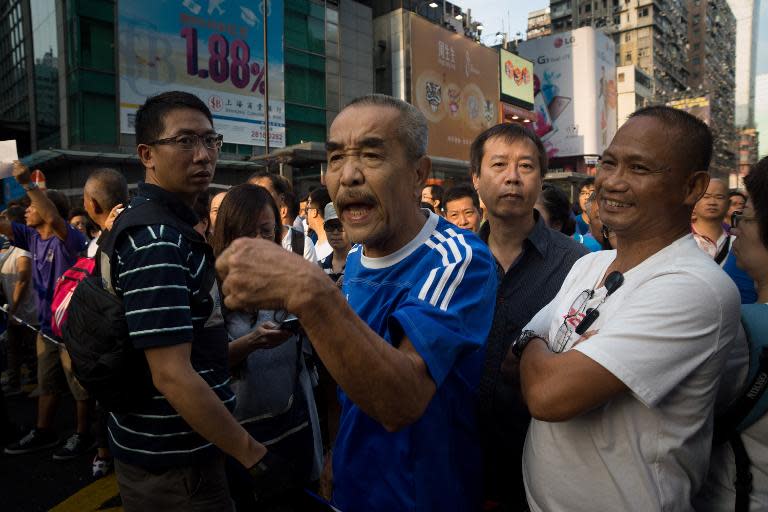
612,283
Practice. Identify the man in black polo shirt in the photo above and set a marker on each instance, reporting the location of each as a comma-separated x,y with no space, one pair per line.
508,164
168,449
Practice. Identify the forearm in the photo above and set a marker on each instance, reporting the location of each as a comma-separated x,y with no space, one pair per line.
561,386
240,348
194,400
44,206
382,380
18,292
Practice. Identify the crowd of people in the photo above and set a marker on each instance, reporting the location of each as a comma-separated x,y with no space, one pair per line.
386,344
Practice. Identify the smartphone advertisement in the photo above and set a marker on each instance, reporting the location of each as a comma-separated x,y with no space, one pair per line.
574,87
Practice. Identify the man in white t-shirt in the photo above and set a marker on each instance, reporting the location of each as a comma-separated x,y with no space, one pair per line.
17,291
622,386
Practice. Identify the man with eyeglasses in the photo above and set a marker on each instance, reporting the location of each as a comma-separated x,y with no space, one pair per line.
708,217
168,450
404,337
622,369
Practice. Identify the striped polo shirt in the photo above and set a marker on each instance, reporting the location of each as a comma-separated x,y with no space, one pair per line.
160,275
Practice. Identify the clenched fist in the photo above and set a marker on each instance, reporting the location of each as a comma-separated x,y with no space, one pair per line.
258,274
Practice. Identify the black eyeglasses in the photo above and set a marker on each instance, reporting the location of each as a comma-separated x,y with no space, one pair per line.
739,217
332,227
578,307
189,141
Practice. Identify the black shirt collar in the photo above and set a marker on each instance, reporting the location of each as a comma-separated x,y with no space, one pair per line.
538,237
170,201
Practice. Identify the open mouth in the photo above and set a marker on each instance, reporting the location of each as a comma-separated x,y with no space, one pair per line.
616,204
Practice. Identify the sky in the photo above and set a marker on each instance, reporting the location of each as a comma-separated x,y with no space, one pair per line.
511,16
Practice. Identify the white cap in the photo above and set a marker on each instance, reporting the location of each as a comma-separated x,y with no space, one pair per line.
329,213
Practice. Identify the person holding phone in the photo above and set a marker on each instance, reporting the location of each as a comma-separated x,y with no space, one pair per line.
275,402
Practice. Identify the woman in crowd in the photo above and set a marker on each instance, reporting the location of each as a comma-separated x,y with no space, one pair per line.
275,402
750,228
555,209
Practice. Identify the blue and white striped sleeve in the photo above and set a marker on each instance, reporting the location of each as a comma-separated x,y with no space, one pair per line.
153,276
450,308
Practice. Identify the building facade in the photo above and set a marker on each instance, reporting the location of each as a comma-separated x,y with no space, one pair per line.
747,13
712,66
649,34
634,90
60,81
539,24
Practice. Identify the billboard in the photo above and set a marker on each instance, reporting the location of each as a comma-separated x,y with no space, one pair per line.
698,107
211,49
574,91
455,84
516,79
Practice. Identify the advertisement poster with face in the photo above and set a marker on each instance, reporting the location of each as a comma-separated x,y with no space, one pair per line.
213,49
455,84
577,64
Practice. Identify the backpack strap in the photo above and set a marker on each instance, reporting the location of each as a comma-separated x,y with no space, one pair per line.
720,257
297,242
743,483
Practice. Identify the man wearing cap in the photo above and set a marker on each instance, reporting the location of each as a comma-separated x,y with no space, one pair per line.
334,263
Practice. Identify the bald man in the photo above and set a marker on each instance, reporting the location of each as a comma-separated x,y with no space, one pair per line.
707,226
104,190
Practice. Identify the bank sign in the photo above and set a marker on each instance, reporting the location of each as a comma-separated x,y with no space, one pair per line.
211,48
574,91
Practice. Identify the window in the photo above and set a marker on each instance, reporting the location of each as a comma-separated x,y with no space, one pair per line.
642,12
628,57
628,36
588,8
621,77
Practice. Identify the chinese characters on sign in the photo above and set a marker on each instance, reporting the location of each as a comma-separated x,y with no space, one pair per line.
213,49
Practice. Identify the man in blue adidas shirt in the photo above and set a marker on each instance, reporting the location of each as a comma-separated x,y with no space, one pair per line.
407,345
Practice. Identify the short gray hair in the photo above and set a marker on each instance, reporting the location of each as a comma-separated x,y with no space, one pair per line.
412,130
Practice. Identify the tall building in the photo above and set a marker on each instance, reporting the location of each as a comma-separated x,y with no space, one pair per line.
761,112
711,64
539,24
649,34
66,66
747,13
634,91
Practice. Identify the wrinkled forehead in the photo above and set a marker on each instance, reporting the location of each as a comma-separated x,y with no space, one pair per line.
364,122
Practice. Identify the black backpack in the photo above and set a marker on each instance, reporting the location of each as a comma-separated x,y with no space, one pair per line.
104,359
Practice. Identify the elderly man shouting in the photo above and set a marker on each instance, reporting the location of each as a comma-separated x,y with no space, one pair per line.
406,346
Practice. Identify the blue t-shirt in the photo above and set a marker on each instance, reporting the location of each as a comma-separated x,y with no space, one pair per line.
588,241
744,283
582,228
51,258
439,291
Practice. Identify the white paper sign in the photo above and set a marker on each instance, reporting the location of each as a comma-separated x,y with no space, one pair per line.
7,156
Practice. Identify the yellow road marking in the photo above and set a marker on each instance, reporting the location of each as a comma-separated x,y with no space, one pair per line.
91,497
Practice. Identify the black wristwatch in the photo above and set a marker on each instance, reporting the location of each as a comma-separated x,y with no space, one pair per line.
521,342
